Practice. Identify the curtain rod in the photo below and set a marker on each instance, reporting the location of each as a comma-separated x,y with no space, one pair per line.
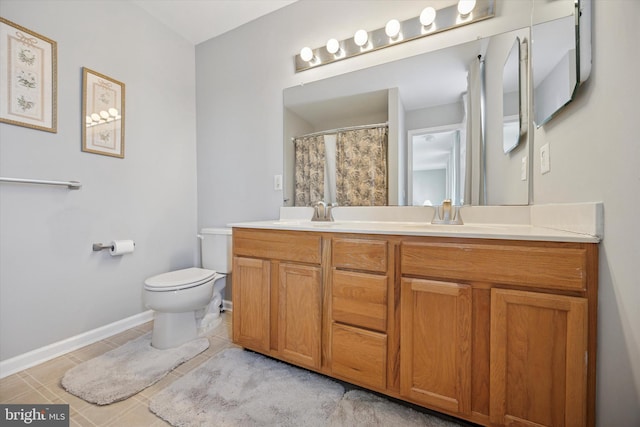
326,132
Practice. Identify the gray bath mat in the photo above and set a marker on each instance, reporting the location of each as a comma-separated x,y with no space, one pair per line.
126,370
362,409
240,388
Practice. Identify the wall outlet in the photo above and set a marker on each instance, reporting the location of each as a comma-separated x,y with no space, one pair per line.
523,169
277,182
545,159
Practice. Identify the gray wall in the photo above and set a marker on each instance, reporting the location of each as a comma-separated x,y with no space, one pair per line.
594,143
595,155
52,286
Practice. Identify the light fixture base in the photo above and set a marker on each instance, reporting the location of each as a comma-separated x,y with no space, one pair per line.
446,19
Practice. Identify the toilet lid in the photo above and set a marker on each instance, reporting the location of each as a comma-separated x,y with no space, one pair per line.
179,279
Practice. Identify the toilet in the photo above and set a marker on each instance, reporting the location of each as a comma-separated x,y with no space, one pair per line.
187,302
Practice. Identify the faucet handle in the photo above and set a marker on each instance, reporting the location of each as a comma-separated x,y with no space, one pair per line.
328,215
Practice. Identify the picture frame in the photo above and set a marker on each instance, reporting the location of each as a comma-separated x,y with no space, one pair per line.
103,102
28,78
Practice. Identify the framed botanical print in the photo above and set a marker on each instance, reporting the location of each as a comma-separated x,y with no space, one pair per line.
102,114
28,78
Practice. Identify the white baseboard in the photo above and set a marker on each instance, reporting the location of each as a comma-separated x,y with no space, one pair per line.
227,305
51,351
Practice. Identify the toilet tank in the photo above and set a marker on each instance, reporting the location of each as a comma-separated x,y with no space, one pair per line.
216,249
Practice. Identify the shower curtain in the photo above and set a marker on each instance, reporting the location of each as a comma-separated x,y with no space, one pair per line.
361,167
309,168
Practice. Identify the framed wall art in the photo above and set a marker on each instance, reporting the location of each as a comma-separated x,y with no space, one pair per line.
28,78
102,114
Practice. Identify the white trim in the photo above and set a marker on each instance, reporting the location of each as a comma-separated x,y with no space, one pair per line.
227,305
51,351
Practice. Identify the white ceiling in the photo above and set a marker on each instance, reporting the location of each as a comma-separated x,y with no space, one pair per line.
200,20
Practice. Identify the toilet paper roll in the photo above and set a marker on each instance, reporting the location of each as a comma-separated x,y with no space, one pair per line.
121,247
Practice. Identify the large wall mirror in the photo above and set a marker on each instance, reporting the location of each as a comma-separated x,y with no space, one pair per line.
426,103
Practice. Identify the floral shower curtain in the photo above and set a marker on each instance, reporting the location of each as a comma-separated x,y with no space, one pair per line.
310,160
361,167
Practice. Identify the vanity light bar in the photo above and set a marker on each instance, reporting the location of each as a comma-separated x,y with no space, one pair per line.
411,29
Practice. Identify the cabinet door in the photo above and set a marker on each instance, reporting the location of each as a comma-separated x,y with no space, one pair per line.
538,359
299,314
435,344
251,279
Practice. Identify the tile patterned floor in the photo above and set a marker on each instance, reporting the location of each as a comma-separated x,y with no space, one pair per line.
41,383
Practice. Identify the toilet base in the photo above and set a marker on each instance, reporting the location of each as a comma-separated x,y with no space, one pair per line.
173,329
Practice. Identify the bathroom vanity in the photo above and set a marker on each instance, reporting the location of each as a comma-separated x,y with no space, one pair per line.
491,324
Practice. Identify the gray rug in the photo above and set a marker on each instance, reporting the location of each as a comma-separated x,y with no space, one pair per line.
240,388
126,370
362,409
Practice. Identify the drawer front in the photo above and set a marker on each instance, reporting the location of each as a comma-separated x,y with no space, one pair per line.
359,355
278,245
560,268
360,254
359,299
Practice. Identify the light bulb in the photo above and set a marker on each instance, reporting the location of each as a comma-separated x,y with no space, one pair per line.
113,112
392,29
361,37
104,114
428,16
95,117
333,46
306,54
466,6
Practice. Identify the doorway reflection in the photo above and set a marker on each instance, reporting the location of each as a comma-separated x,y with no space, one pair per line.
438,164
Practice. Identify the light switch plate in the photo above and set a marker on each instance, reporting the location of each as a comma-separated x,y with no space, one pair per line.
277,182
545,159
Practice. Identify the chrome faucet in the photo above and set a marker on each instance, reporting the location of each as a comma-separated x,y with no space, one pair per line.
447,214
323,211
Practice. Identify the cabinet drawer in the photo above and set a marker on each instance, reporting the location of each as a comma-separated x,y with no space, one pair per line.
359,299
359,355
360,254
561,268
278,245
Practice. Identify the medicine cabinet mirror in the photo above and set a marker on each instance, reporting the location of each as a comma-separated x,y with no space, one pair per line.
560,54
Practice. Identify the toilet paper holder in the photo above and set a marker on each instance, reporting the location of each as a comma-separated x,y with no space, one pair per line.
101,246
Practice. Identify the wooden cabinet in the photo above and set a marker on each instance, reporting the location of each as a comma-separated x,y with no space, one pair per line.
496,332
435,363
520,322
277,295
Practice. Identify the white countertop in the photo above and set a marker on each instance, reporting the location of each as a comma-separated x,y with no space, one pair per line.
470,230
572,222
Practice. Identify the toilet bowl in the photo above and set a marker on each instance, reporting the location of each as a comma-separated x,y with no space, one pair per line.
187,302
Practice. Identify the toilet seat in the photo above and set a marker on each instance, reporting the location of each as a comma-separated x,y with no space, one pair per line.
179,279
